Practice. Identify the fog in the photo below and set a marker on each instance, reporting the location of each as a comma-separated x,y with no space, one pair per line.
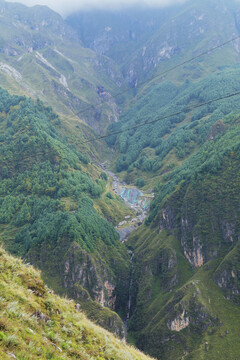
65,7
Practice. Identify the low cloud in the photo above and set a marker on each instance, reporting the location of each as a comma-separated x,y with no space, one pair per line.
65,7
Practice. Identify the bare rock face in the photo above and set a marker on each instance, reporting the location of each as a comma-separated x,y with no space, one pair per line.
168,219
81,269
194,255
227,276
193,250
106,295
228,231
179,323
110,292
190,314
179,216
225,279
168,265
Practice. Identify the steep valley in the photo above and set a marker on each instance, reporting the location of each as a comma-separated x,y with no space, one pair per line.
119,180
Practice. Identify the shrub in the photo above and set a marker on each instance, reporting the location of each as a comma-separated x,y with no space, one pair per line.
11,340
140,182
109,195
103,175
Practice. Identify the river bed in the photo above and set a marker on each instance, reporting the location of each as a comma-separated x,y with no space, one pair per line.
134,198
139,202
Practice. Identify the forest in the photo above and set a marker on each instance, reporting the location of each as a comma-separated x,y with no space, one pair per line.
181,134
44,192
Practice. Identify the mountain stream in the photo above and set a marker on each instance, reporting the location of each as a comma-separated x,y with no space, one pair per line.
140,203
133,198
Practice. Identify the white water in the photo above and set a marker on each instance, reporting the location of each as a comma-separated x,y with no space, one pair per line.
131,253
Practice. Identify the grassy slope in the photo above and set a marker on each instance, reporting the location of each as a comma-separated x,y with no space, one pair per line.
204,205
214,321
63,333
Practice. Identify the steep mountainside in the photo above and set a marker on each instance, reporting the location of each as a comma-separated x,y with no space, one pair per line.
52,206
175,137
36,324
150,42
187,270
41,56
146,42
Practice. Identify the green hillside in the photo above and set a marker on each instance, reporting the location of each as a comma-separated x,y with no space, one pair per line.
52,206
186,265
176,137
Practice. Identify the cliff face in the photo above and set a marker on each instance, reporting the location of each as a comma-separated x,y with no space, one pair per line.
99,287
80,268
204,218
191,245
227,275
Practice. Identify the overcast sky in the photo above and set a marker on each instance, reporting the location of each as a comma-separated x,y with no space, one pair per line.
65,7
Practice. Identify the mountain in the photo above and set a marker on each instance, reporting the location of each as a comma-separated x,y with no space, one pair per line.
172,285
37,58
37,324
185,269
52,206
146,42
178,131
186,266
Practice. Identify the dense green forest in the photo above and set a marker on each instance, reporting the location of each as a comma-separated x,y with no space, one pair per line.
179,135
38,171
47,195
222,147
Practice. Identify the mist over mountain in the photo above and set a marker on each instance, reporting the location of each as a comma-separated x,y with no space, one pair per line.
75,5
119,179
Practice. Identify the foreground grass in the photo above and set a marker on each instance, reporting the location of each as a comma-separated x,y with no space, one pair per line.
37,324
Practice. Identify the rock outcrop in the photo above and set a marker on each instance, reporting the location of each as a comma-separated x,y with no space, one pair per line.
179,323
